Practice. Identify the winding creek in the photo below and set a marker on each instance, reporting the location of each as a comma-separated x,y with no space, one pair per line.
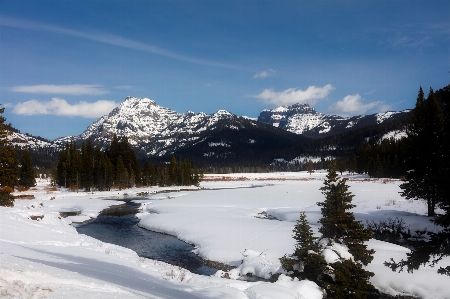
118,225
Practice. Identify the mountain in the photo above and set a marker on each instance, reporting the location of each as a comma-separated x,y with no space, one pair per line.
159,131
21,141
223,138
303,119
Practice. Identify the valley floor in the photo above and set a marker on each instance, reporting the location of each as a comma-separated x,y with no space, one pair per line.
242,220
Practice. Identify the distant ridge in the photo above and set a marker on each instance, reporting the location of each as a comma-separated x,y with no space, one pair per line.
303,119
156,131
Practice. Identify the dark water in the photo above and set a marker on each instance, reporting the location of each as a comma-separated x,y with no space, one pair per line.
118,225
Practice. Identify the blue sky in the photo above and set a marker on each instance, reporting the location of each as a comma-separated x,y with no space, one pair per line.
63,64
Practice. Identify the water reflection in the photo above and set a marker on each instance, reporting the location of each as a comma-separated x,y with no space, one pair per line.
118,225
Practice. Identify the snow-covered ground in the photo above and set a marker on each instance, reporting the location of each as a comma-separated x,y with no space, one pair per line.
228,221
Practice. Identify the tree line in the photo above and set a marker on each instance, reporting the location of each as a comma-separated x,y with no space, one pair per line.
13,171
89,167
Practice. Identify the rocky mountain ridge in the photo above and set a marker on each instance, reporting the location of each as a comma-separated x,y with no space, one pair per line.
305,120
157,131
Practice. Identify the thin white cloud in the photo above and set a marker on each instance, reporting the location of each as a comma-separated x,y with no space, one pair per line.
291,96
7,105
109,39
60,107
352,105
74,89
264,74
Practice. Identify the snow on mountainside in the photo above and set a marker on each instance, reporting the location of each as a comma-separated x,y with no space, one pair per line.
154,129
19,140
303,119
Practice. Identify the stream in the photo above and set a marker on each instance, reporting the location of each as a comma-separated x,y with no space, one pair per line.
118,225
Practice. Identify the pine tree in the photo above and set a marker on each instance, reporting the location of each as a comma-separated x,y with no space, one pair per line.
310,167
378,170
173,171
6,198
425,143
108,172
26,174
338,223
437,246
8,158
63,167
306,261
88,163
9,167
351,281
5,129
121,174
339,226
353,163
75,166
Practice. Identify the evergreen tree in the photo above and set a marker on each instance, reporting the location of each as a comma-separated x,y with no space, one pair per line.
443,181
378,167
6,198
306,261
8,164
353,163
310,167
63,167
173,171
121,174
339,226
9,167
350,281
27,175
425,143
5,129
340,165
108,172
338,223
88,163
437,246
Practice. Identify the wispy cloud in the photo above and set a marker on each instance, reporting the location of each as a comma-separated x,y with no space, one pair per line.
123,87
74,89
293,95
264,74
60,107
352,105
416,36
110,39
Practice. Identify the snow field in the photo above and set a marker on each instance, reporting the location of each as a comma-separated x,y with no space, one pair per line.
229,221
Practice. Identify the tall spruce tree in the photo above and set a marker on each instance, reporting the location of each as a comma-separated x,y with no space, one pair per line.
339,226
338,222
27,174
435,184
7,163
88,164
121,174
9,167
425,141
5,129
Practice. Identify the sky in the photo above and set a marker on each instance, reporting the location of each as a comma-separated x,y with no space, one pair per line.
64,64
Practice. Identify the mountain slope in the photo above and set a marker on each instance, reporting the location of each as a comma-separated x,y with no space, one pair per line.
303,119
159,131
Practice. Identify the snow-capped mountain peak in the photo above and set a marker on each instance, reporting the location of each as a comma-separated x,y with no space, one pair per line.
303,119
154,128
